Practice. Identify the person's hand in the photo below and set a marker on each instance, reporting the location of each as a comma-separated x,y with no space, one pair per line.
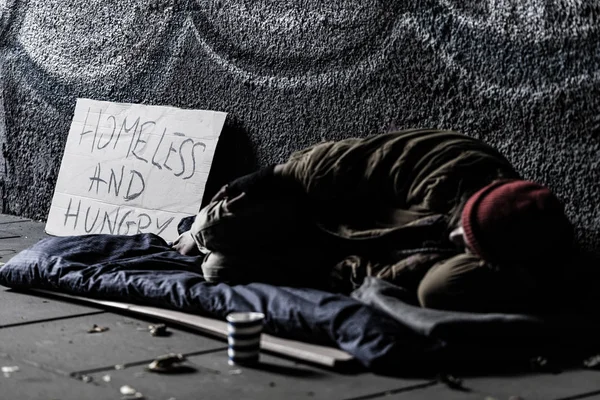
221,194
232,205
185,245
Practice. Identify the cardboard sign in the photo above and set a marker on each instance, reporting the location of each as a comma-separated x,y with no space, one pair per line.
132,168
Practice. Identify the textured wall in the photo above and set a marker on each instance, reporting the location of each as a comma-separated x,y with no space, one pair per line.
522,75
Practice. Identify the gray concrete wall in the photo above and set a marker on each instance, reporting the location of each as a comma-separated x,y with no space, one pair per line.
522,75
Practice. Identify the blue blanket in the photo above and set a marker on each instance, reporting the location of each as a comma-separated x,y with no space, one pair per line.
379,329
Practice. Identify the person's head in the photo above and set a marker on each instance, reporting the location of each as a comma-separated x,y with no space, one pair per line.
515,222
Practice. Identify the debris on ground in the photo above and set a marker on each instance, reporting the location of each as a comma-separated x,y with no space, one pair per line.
86,378
539,363
9,370
120,366
159,330
592,362
106,378
170,363
127,390
235,372
543,364
130,393
97,329
452,382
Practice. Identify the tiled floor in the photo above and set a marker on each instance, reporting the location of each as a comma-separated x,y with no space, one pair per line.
57,358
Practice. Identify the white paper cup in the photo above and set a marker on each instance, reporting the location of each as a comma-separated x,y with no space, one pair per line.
243,336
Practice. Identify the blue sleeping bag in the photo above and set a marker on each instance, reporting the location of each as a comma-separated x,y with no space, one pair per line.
377,327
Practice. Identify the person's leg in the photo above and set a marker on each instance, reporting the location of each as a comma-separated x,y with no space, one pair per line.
257,239
466,283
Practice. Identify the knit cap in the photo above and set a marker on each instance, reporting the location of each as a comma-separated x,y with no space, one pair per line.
516,222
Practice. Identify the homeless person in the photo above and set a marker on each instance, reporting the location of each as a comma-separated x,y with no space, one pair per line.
441,214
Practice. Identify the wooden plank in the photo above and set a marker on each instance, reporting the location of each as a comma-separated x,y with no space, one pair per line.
321,355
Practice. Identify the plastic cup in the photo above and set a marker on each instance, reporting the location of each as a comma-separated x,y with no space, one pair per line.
243,336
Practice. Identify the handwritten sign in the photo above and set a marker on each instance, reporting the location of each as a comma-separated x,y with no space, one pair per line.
132,168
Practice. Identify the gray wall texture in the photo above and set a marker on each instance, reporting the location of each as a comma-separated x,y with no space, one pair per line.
523,75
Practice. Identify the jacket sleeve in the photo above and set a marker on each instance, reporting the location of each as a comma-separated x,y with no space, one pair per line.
415,169
354,169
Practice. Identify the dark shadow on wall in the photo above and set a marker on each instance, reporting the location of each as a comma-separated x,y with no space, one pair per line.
234,157
584,273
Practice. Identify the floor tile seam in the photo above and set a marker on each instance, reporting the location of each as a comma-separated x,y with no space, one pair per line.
55,371
7,358
79,374
19,221
46,368
394,391
40,321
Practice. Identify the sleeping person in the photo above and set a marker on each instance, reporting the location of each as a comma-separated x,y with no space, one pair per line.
443,215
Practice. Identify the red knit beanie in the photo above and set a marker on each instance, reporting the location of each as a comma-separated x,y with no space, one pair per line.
516,222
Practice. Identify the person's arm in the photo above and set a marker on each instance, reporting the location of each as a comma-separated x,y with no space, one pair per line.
262,184
185,244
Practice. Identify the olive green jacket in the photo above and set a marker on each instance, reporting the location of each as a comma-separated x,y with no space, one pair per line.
393,179
391,196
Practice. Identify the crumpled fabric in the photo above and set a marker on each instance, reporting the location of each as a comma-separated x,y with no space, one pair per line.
469,337
143,269
378,325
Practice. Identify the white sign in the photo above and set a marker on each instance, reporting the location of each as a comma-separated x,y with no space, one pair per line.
132,168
